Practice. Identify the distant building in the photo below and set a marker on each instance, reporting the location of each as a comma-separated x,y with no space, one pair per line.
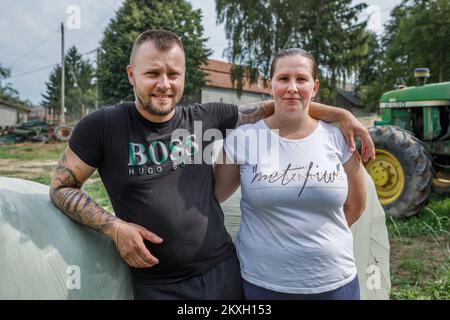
348,99
219,87
37,113
12,114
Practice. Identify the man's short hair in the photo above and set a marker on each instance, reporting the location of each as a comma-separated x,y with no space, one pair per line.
163,39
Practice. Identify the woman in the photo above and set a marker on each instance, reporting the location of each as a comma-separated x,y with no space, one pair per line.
301,192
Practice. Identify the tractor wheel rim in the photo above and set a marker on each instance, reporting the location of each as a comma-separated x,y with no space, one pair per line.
388,176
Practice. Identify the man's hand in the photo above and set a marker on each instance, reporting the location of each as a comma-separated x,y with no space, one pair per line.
129,241
351,128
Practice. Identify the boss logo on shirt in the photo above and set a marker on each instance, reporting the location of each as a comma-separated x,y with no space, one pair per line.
152,157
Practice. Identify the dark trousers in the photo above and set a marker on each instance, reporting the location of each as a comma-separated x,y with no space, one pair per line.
350,291
222,282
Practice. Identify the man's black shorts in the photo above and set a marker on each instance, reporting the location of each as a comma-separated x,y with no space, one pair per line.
223,282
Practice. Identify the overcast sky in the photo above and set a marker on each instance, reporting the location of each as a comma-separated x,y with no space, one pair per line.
30,37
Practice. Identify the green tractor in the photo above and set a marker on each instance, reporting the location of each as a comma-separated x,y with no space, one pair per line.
412,142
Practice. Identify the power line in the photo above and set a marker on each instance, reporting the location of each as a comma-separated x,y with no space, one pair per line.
32,71
46,67
34,48
89,52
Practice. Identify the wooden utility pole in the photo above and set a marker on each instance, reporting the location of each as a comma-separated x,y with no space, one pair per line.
96,79
61,118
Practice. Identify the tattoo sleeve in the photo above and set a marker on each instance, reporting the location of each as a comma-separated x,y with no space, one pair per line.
67,196
254,112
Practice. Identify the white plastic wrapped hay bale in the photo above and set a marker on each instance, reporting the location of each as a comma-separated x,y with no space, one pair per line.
45,255
371,248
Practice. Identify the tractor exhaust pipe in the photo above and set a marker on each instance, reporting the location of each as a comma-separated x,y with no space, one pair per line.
421,75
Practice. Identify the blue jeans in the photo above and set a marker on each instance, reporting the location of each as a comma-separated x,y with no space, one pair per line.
350,291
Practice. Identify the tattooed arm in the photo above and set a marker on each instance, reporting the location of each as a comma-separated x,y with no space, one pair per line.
65,192
253,112
349,125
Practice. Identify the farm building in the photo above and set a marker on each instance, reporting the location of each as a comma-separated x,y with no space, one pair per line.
12,114
219,88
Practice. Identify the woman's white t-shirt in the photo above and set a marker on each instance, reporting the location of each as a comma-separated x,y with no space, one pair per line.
293,235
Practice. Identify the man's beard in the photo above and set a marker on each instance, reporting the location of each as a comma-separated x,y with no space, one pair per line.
150,108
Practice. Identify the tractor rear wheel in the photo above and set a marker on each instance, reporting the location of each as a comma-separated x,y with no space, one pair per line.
402,171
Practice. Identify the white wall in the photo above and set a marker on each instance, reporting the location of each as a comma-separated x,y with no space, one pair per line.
8,116
211,94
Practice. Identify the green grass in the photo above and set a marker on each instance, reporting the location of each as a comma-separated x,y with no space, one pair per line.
32,151
42,179
433,220
96,190
415,287
37,151
94,187
420,254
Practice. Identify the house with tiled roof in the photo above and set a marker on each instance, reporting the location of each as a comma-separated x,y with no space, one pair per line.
219,87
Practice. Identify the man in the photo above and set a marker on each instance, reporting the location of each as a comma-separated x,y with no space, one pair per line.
168,226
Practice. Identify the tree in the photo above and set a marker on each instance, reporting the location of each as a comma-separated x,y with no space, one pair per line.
79,85
136,16
257,30
417,35
8,92
381,71
369,82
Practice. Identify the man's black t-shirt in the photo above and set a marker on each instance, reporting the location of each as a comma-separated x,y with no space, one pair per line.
152,179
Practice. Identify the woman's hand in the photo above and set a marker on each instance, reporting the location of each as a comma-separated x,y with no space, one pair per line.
351,128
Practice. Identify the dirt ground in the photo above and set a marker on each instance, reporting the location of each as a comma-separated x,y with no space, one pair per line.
32,169
26,169
368,120
434,250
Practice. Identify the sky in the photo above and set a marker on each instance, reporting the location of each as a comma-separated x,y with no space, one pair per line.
30,34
